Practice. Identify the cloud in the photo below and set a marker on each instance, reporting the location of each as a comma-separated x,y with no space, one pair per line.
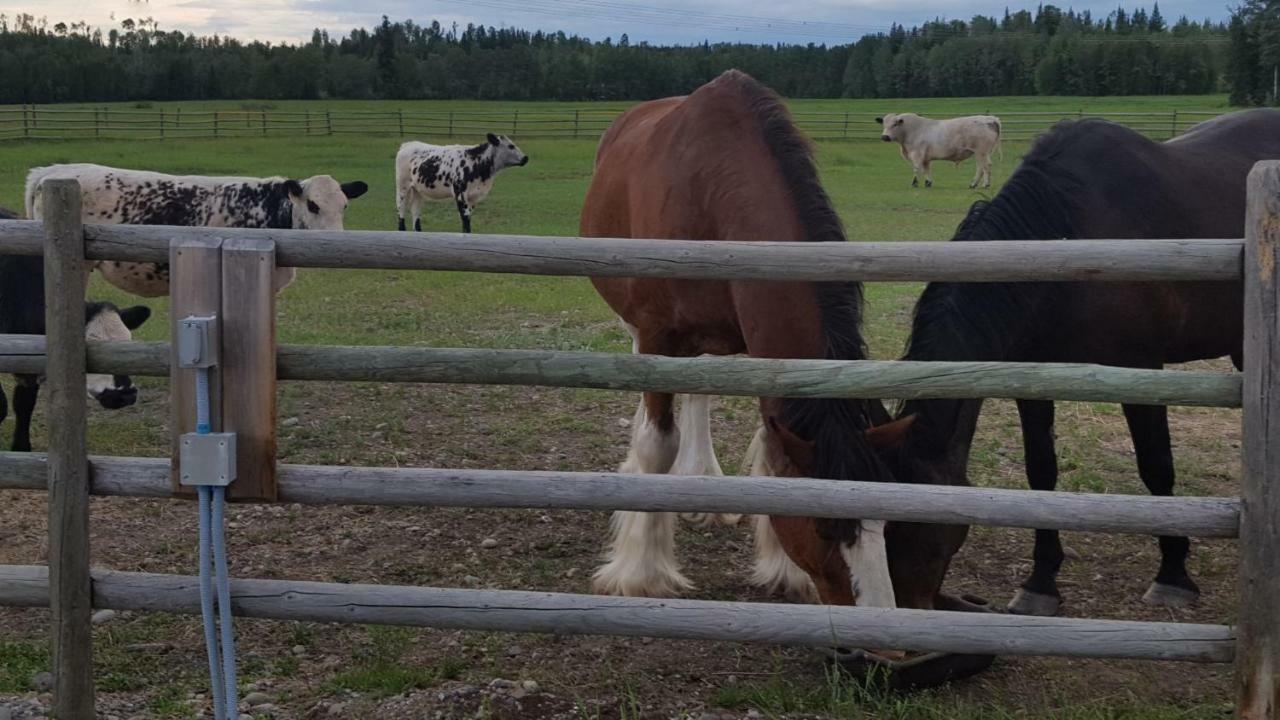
657,21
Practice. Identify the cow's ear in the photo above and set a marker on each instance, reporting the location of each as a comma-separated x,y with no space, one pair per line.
133,317
355,189
293,188
880,120
493,139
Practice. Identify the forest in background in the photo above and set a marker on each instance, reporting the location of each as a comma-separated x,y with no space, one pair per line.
1046,52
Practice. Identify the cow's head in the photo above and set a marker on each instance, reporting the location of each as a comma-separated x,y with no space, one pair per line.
104,321
895,126
505,152
320,202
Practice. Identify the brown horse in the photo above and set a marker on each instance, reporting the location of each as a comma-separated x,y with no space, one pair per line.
1086,179
727,163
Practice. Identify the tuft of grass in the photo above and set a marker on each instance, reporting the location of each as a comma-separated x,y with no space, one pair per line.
843,696
381,670
169,702
19,662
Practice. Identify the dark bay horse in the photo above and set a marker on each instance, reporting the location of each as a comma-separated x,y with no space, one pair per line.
727,163
1085,179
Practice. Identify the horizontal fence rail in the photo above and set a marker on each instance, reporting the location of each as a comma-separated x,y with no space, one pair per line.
34,122
821,626
745,376
987,261
431,487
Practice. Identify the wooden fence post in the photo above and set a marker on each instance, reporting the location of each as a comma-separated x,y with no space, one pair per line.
195,288
400,114
515,123
328,119
97,127
215,123
248,364
26,129
575,123
450,123
162,123
177,121
846,125
70,592
106,118
1173,125
264,123
1258,644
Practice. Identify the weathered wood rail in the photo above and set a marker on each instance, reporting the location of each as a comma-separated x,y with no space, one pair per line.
991,261
1254,645
432,487
568,614
701,375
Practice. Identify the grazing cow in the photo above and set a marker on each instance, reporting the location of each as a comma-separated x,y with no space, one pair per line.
441,172
924,140
22,313
137,197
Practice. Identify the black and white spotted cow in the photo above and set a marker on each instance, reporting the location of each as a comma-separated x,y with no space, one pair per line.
442,172
138,197
22,313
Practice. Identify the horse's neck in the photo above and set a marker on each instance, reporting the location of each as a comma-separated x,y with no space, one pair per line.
942,433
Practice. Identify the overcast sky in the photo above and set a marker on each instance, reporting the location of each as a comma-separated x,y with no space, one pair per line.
658,21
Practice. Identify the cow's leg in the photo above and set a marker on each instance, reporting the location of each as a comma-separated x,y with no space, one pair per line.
402,201
986,170
1039,592
928,172
1149,428
641,559
24,404
415,211
464,209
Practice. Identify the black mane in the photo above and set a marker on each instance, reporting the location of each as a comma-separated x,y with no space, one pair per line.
830,424
985,321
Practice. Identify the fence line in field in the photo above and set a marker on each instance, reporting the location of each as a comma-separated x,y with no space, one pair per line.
71,475
37,122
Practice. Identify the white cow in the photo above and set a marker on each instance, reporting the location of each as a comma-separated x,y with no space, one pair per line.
924,140
458,172
137,197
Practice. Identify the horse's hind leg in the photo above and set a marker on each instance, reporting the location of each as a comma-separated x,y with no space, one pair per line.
774,571
641,559
1039,592
697,455
25,393
1149,428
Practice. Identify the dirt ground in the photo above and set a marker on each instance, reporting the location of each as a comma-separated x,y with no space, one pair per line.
152,665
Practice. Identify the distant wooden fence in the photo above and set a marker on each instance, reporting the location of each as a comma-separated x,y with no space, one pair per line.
37,122
70,588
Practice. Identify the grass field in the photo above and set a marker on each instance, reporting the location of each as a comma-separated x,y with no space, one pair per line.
151,665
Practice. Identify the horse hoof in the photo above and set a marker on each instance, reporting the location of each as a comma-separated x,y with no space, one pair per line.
709,519
1026,602
1170,596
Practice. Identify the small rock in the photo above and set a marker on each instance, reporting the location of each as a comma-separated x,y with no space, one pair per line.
289,422
530,686
514,650
571,572
299,650
1070,552
470,580
457,567
380,426
42,682
488,543
266,708
336,710
103,616
544,519
254,699
500,684
754,713
624,423
6,713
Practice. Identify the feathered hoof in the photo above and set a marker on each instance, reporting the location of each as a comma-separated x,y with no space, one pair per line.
611,579
1025,602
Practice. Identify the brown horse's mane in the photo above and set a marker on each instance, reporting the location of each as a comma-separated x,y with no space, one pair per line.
834,426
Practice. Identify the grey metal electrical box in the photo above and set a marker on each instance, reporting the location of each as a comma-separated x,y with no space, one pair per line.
198,342
207,459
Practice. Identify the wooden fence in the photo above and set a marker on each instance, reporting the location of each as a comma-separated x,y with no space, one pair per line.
57,122
70,589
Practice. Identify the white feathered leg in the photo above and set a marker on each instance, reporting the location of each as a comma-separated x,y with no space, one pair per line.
697,454
774,570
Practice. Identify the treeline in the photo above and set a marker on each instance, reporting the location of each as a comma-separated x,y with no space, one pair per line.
1253,65
1047,52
